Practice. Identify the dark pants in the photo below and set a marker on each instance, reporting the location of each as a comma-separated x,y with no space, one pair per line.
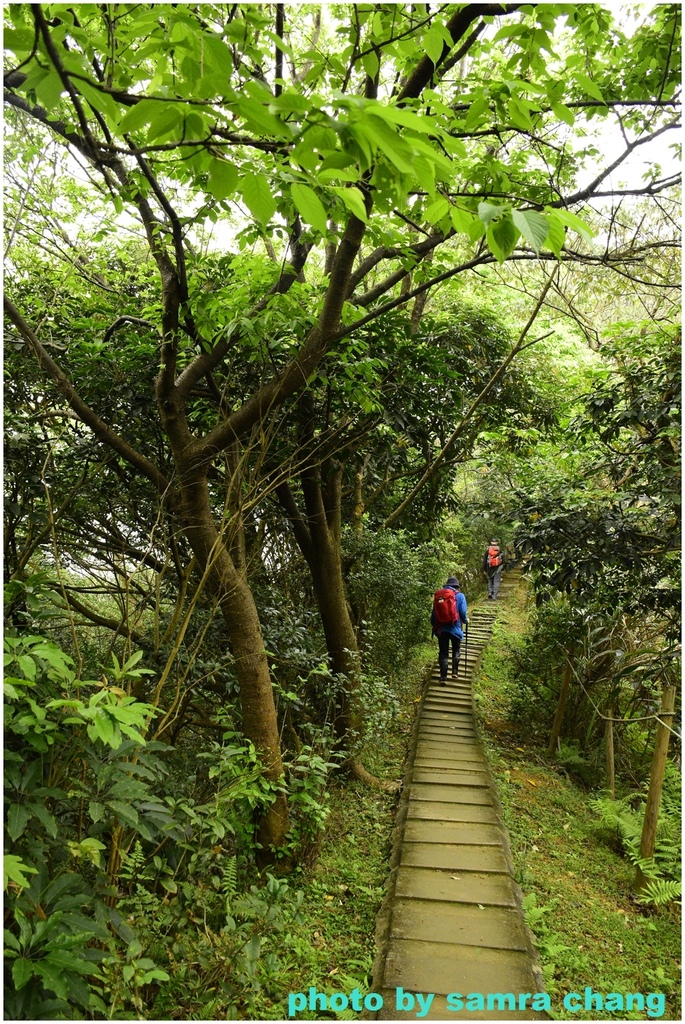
444,640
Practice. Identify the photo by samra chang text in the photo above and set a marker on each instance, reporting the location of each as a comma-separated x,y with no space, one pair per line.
418,1004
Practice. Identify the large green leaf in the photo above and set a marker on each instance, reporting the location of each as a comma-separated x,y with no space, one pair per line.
502,236
17,817
354,201
574,222
533,226
100,101
309,206
15,870
22,971
223,178
256,192
557,233
391,144
143,113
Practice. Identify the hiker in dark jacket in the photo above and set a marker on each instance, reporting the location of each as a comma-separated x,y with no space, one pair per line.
451,634
493,562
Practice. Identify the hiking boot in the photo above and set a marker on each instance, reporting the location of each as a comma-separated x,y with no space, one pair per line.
455,669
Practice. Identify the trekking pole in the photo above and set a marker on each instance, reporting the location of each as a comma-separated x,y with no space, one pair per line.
466,647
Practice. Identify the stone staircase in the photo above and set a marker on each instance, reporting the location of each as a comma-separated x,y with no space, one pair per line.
451,924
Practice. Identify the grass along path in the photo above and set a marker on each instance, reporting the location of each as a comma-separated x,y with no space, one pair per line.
577,887
331,947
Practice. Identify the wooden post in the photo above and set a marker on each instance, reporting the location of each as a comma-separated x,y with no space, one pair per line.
561,704
656,782
609,743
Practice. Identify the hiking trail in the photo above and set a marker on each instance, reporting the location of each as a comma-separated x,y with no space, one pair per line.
451,921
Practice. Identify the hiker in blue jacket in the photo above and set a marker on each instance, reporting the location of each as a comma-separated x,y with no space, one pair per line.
453,633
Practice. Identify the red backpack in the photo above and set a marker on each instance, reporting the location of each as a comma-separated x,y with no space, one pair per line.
445,607
494,556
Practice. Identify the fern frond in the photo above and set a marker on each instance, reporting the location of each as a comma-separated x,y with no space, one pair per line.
660,891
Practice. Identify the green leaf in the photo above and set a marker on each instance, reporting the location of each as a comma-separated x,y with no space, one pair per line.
433,43
488,211
533,226
519,115
259,119
22,971
563,113
255,190
406,118
15,870
590,87
68,962
392,146
28,666
17,818
370,63
89,848
575,223
105,729
168,120
424,171
46,819
462,220
502,236
309,206
437,210
49,90
100,101
18,40
476,113
354,201
223,179
96,810
253,947
53,977
557,233
218,55
143,113
125,812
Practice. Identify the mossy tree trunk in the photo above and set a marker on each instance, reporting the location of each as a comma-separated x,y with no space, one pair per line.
561,707
656,783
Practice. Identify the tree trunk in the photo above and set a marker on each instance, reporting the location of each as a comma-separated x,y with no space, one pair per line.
324,557
609,743
656,782
561,705
231,588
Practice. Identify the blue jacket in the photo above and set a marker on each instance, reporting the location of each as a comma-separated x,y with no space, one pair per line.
456,629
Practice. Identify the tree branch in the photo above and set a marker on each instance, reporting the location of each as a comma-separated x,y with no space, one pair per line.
456,26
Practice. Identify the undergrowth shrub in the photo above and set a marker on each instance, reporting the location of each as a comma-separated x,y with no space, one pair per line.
124,889
625,817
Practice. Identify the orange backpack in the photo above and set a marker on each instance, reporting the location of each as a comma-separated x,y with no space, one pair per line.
494,556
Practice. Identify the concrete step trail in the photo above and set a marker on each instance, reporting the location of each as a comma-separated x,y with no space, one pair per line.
451,921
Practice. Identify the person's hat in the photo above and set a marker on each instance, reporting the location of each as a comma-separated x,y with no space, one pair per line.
494,541
453,582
